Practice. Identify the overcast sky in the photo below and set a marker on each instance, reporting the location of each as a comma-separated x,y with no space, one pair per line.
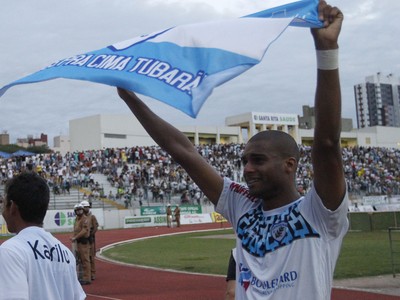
36,33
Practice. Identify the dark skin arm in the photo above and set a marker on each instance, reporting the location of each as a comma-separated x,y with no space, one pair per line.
177,145
326,152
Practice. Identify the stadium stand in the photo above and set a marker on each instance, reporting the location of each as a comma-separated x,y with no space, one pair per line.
127,177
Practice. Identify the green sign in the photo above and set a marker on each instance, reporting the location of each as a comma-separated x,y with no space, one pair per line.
152,210
161,210
160,219
190,209
135,220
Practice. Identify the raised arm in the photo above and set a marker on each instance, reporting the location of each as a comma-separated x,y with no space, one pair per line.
177,145
326,152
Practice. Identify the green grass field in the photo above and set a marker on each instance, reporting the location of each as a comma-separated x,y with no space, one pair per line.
205,252
363,253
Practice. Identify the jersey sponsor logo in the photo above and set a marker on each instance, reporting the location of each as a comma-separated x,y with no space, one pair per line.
260,235
242,190
55,253
266,287
244,277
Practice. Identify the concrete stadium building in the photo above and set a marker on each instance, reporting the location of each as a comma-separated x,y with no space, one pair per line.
119,131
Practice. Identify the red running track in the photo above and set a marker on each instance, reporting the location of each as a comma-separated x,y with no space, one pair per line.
121,282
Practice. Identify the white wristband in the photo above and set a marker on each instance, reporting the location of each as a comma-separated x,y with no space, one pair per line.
328,59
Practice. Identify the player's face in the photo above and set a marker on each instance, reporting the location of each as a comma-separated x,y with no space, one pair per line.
263,169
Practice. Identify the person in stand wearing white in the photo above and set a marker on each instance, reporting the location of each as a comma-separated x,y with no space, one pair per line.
34,264
286,244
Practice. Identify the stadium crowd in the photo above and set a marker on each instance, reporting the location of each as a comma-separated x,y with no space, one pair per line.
148,173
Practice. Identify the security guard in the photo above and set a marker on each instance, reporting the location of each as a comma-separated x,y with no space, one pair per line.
94,225
81,237
177,213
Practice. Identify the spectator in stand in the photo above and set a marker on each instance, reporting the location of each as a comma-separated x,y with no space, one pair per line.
368,170
185,198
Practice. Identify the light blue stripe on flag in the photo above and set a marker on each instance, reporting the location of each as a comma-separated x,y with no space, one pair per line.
182,65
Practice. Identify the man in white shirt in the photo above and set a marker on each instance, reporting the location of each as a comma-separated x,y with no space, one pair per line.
287,245
34,264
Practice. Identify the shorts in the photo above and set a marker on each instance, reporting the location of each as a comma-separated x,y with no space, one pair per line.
231,274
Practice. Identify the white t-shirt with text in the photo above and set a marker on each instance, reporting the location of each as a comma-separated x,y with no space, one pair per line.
36,265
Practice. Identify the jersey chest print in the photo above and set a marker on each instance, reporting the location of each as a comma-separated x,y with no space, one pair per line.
260,235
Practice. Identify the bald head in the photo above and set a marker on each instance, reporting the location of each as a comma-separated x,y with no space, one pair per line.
279,142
